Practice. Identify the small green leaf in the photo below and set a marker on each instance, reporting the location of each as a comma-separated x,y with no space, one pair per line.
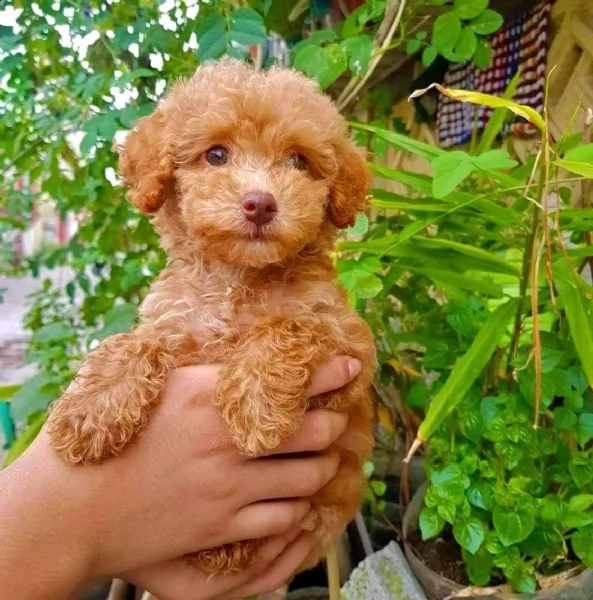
378,487
582,153
413,46
247,27
368,468
580,502
469,534
431,524
513,526
468,9
212,37
483,55
465,47
429,55
580,168
358,50
487,22
584,431
480,496
34,395
582,546
450,169
479,566
446,31
494,159
54,332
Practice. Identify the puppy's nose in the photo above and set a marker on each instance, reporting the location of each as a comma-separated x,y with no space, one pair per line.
259,207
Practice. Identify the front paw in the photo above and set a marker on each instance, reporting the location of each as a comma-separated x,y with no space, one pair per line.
262,410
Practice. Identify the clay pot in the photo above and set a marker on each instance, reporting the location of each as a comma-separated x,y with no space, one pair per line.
437,587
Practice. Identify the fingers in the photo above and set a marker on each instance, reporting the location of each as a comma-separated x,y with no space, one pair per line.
320,429
267,519
275,478
280,571
334,374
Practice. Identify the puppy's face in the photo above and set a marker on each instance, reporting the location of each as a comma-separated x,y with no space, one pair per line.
253,163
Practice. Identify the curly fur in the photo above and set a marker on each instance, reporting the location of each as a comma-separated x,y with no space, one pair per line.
265,305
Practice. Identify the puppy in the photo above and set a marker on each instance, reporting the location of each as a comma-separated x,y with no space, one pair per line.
248,175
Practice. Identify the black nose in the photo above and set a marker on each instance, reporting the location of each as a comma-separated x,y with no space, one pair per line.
259,207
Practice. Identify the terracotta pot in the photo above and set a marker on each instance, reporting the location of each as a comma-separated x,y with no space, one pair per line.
437,587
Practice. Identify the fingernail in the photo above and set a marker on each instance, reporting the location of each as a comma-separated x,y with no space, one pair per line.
354,367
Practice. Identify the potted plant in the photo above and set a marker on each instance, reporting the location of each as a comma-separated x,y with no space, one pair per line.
510,492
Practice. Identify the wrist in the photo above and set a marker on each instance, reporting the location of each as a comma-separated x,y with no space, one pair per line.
45,543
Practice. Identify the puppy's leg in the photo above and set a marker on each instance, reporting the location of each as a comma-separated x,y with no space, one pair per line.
262,390
110,400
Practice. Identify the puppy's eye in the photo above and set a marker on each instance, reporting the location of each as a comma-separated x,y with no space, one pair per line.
217,156
296,161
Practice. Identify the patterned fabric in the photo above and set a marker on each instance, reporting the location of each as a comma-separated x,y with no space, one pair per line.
520,45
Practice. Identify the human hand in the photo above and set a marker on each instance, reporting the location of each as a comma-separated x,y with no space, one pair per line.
181,488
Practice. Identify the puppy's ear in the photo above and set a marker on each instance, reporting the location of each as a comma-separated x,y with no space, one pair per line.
348,194
147,163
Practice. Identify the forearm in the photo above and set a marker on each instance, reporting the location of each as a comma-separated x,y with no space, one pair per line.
41,555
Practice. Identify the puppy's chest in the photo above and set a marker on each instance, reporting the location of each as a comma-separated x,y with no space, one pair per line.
216,320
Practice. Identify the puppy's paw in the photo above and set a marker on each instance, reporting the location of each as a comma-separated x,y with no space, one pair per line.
227,559
79,437
262,411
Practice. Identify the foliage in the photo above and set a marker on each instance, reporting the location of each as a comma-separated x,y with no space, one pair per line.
459,33
502,342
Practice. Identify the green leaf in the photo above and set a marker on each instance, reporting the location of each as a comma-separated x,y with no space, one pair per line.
467,369
580,168
581,469
582,546
379,487
584,431
576,297
323,64
54,332
483,55
119,319
580,502
468,9
464,282
212,37
479,566
513,526
487,22
446,31
494,159
358,50
429,55
35,394
247,27
336,64
413,46
469,534
480,496
582,153
466,44
450,169
431,524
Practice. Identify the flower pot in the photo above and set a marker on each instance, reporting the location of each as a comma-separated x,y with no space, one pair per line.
575,584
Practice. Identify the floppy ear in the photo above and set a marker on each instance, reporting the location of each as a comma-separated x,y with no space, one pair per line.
348,193
147,163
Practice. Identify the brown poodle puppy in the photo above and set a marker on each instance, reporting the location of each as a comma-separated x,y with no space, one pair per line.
248,174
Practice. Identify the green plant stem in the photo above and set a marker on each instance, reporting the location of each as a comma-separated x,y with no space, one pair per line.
525,272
